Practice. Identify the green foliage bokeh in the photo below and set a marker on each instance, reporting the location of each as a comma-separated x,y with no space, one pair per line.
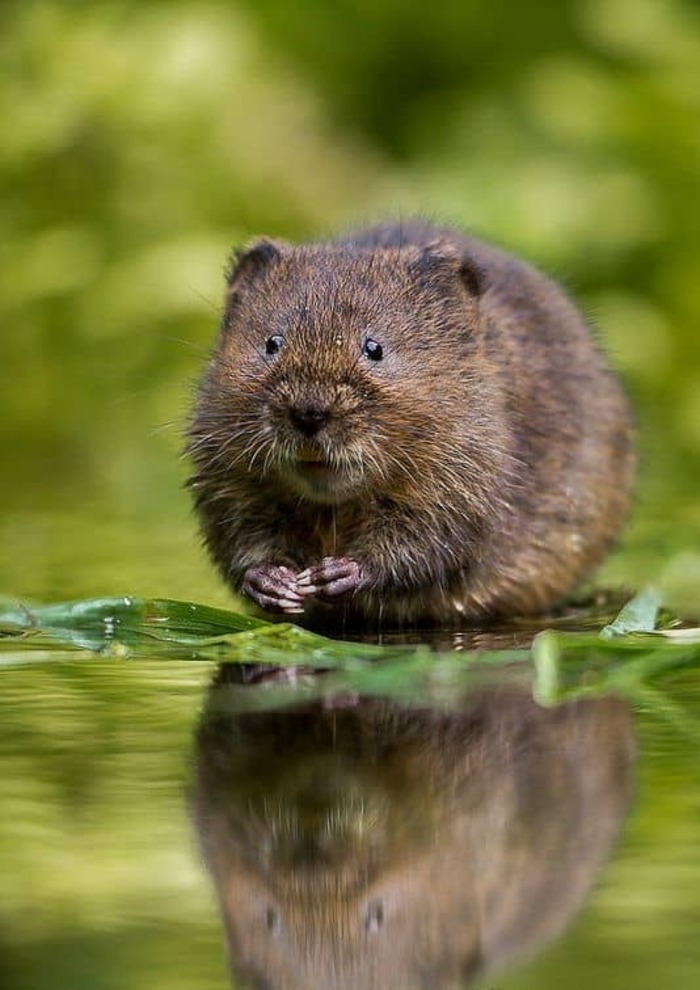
141,141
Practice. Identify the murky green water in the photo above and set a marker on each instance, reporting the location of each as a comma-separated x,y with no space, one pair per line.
157,815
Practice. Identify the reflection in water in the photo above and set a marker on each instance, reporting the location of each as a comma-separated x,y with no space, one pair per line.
360,844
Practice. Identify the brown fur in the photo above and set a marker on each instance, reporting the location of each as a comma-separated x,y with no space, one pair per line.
481,468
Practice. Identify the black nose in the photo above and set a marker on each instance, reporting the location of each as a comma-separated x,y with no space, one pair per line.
309,418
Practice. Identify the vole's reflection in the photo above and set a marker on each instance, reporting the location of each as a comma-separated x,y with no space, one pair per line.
369,845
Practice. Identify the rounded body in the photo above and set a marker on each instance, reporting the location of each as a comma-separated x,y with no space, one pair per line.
408,425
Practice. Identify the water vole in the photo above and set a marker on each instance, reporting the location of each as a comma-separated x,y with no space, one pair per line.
408,423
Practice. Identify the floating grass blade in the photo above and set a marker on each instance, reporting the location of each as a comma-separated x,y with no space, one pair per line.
546,656
96,623
638,615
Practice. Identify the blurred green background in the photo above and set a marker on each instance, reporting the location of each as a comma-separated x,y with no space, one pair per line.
141,141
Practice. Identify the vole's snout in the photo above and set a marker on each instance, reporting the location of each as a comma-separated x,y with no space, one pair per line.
309,417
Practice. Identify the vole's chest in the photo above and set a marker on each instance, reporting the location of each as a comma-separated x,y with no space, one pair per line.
312,532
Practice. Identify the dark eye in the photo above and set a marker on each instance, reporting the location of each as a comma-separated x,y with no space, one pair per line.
373,350
273,344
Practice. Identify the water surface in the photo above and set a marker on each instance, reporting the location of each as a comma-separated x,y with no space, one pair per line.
164,823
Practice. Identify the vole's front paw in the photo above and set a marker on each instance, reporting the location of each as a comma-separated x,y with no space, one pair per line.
331,580
274,588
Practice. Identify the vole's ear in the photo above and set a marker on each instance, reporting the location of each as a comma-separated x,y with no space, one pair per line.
441,258
248,264
474,277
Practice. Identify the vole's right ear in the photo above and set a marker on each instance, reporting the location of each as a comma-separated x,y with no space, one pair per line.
247,264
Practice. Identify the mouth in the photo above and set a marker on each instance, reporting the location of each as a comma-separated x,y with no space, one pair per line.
309,460
316,476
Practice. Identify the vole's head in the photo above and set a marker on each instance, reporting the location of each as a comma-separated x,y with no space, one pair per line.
336,367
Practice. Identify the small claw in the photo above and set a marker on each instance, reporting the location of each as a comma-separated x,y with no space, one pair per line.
307,589
276,604
291,604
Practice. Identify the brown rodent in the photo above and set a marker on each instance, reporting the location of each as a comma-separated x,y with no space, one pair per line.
407,423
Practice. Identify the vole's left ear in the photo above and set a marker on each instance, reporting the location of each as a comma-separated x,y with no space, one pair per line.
473,276
247,265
